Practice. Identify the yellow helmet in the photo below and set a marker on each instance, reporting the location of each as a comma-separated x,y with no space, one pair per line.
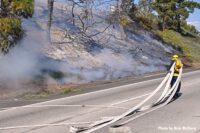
174,57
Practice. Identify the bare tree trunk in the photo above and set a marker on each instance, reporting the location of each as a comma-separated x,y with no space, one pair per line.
73,15
50,14
163,24
178,23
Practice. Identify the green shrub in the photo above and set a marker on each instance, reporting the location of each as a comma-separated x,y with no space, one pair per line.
123,20
57,75
190,28
10,26
189,45
23,8
10,30
67,90
146,20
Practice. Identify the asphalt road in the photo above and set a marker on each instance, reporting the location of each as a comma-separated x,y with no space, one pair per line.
56,116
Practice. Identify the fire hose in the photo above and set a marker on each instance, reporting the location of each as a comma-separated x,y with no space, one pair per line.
165,98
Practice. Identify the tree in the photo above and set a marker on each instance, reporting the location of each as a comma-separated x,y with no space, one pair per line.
164,10
182,10
174,12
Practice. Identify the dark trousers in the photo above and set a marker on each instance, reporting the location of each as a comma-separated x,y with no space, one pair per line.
173,82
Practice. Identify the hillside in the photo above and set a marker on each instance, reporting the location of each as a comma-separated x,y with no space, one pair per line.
60,49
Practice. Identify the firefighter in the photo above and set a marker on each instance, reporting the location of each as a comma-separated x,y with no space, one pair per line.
177,67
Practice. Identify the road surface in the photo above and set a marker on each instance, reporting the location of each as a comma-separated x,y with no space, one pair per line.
56,116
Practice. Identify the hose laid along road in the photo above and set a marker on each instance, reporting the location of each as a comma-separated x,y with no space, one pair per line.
139,107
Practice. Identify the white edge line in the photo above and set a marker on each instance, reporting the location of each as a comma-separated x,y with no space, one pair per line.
84,106
147,76
84,94
42,125
104,90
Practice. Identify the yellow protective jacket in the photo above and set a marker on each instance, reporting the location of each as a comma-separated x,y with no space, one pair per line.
178,66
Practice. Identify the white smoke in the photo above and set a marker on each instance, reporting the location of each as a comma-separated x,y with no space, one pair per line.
27,60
